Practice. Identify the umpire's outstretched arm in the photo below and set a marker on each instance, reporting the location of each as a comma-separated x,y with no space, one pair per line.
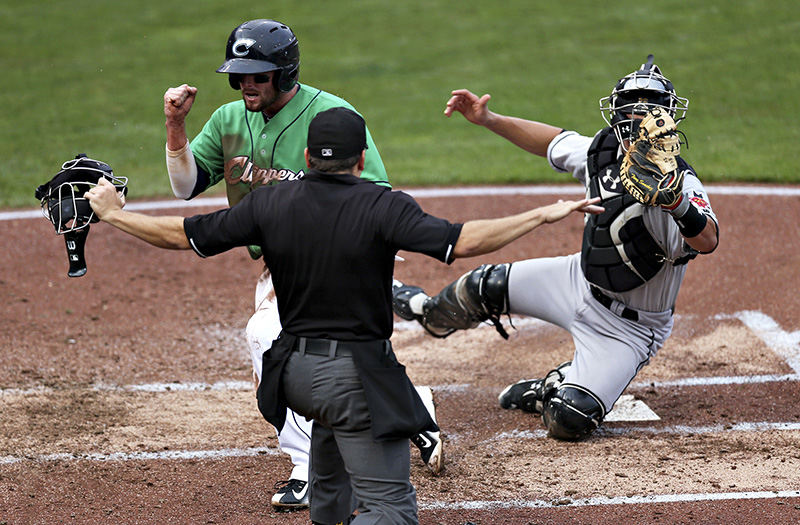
161,231
487,235
477,237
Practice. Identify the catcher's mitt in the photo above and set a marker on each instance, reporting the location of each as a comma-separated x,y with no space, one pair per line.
649,171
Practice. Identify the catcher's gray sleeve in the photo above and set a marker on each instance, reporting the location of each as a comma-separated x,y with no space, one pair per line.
567,153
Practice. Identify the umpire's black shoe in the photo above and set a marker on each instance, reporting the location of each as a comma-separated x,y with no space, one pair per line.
401,295
528,395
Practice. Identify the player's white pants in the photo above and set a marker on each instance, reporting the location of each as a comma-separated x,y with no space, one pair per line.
609,350
263,328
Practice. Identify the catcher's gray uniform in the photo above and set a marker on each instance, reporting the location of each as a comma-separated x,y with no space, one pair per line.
609,348
617,296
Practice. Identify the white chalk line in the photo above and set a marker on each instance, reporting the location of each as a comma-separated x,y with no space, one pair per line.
746,427
678,430
785,344
449,388
463,191
146,456
589,502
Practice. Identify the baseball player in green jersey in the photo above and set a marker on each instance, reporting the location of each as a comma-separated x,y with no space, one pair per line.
255,141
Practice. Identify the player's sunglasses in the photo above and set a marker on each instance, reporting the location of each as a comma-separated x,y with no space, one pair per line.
260,78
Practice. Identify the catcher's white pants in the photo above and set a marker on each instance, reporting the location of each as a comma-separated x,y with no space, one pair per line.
263,328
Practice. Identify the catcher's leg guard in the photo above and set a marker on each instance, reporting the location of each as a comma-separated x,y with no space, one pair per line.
476,296
572,413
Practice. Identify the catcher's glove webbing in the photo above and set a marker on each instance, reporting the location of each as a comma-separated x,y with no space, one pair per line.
649,171
64,205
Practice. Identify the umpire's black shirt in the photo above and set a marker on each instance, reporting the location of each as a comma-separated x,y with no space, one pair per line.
329,241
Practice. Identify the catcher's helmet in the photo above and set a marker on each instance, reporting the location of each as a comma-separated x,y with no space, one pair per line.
635,94
70,212
62,197
258,46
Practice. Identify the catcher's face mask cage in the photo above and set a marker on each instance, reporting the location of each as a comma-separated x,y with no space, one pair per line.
62,198
637,93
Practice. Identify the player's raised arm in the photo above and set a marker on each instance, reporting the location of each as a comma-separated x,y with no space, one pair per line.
532,136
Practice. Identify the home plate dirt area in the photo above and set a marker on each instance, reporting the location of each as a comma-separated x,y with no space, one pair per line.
126,395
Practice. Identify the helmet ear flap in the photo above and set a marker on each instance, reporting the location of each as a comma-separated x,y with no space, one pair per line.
285,79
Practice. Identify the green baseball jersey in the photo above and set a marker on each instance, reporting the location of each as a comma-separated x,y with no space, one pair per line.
248,150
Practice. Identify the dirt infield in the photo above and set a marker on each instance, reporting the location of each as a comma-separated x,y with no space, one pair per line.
125,394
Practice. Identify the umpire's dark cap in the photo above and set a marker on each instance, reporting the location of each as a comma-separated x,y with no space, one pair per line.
337,133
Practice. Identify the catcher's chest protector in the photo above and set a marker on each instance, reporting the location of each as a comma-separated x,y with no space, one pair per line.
618,252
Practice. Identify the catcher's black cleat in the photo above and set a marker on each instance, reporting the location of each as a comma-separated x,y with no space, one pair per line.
523,395
401,295
529,394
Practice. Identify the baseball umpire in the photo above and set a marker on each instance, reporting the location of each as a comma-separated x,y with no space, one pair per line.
616,296
333,361
252,142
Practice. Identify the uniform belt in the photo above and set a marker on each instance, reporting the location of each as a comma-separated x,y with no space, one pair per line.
327,347
627,313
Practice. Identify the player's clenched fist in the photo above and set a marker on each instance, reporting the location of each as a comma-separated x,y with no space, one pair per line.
178,101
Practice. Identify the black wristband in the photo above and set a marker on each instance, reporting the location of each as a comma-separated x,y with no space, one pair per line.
692,222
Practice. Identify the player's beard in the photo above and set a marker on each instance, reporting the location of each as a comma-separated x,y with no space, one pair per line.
260,103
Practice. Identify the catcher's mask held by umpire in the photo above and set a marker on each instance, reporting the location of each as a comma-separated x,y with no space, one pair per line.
64,205
258,46
637,93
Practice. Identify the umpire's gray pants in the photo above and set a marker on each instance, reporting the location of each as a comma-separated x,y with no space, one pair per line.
346,463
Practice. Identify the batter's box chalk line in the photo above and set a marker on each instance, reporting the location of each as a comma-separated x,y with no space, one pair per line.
783,343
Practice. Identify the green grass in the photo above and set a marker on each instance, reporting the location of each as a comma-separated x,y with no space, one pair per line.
88,76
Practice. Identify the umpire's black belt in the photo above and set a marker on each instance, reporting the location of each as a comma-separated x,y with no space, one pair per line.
627,313
327,347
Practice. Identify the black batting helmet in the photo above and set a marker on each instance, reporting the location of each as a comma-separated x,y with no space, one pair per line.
258,46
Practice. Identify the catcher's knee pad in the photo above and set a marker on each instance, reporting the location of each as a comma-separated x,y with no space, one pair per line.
572,413
476,296
486,287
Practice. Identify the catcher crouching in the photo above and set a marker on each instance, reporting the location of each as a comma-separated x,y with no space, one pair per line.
616,296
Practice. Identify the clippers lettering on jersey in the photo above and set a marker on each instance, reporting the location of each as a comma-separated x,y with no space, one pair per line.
241,169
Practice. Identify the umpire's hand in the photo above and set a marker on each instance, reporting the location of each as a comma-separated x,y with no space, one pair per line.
105,199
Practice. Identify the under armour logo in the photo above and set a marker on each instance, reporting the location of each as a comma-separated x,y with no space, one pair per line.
610,180
327,152
242,46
